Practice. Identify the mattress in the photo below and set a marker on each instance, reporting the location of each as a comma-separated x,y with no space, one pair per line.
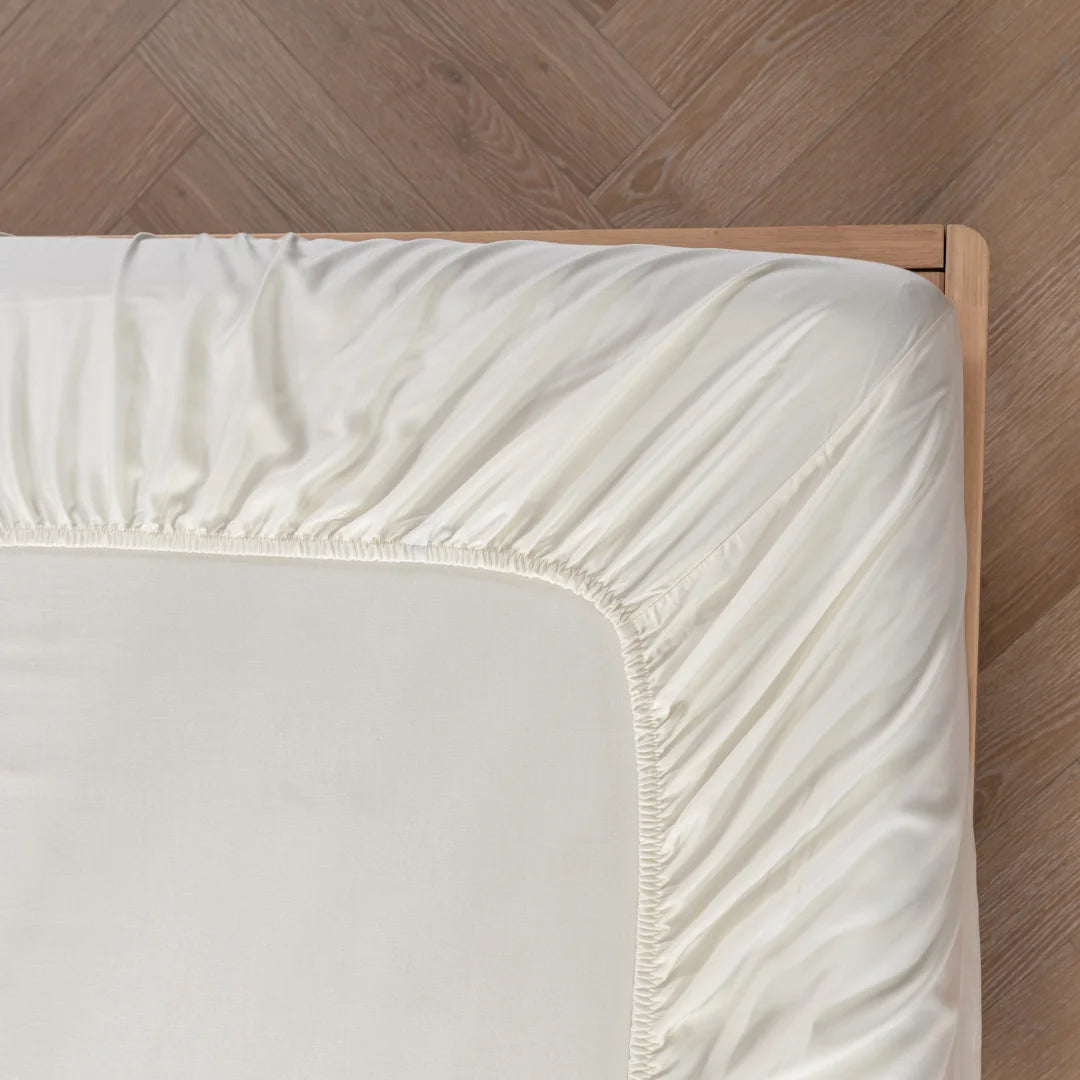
433,660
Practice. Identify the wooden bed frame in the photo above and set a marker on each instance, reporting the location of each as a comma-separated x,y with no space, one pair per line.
954,257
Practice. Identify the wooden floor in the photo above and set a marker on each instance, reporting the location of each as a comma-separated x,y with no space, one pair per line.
221,115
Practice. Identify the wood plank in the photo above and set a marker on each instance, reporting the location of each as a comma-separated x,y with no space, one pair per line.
593,10
929,112
912,246
967,285
1032,520
126,226
391,74
10,11
52,56
764,106
275,121
204,192
1038,150
677,45
1030,554
1029,903
1029,1033
1031,557
113,147
935,277
1035,145
556,75
1029,715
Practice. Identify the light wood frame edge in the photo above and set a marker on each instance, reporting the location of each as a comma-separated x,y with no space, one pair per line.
914,247
967,285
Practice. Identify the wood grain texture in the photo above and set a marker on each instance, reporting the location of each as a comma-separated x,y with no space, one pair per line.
52,56
1029,903
246,90
1034,151
464,153
202,192
1034,383
1029,1033
561,81
1033,396
1032,519
912,246
677,45
1034,144
91,182
1029,716
967,285
1030,536
759,110
11,9
126,225
885,159
593,10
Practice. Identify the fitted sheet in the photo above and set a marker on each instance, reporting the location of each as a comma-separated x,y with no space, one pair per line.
444,660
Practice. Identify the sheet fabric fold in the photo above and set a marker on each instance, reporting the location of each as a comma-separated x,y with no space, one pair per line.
750,463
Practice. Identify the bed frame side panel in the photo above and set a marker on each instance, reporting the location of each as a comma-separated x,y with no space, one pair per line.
967,285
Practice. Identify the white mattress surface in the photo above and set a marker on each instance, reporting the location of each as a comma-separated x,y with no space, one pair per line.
594,709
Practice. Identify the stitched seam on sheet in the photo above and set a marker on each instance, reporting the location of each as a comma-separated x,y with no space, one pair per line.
641,1063
841,429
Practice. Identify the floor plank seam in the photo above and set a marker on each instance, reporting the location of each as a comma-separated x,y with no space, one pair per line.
199,134
1018,811
390,163
1071,592
918,43
1041,90
62,124
18,15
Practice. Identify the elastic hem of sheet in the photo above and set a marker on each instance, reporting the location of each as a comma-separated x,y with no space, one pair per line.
641,1063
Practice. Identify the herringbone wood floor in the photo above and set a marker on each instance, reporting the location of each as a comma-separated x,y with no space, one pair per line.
269,115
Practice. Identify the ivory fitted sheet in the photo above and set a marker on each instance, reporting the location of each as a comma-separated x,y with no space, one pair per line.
595,707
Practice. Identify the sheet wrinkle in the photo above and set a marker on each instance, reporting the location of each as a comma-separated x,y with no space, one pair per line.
753,834
681,437
803,467
127,377
625,392
789,658
596,418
